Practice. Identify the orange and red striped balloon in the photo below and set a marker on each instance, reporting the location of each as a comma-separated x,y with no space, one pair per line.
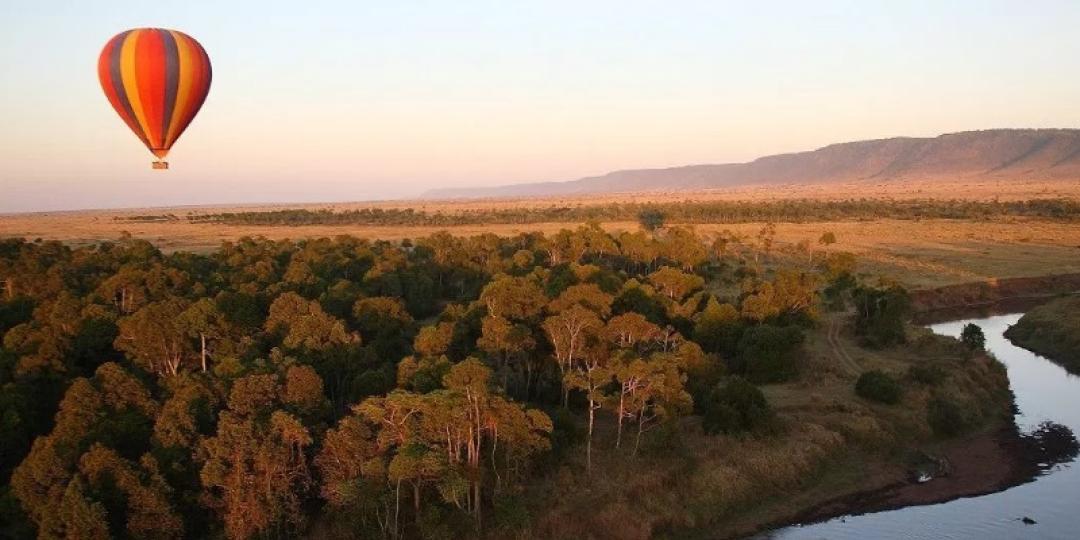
156,80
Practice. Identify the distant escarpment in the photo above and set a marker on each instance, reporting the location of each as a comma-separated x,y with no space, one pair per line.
1000,154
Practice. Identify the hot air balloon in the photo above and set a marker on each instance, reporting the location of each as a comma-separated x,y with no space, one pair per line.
157,81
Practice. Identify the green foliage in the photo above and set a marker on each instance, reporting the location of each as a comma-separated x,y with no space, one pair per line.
927,374
880,315
878,386
15,312
735,405
560,277
972,337
769,354
1052,330
636,300
651,219
947,417
718,328
801,211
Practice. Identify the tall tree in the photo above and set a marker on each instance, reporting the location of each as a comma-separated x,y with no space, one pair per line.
155,337
569,331
203,322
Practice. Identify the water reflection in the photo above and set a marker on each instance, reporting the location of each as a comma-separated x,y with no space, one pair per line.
1048,403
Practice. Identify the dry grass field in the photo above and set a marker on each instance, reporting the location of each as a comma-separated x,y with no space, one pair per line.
918,253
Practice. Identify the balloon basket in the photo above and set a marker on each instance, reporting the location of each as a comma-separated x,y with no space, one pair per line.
160,165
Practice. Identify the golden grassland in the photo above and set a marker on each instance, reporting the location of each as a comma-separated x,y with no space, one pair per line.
918,253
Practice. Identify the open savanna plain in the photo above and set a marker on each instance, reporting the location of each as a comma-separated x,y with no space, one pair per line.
917,252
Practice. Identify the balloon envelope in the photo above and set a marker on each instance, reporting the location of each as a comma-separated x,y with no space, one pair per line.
157,80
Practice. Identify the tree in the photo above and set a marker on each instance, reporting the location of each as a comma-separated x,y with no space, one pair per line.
446,439
723,243
422,374
827,239
304,325
880,314
434,340
569,331
681,245
650,390
590,374
675,284
766,236
385,324
134,494
972,337
256,474
597,241
790,297
878,386
631,330
155,336
718,327
651,219
735,405
640,248
112,410
203,322
636,298
187,415
505,341
770,354
303,389
513,298
587,295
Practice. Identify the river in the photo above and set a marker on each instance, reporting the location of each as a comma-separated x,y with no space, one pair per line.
1044,392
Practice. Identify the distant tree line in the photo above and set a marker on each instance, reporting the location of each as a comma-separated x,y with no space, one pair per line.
654,214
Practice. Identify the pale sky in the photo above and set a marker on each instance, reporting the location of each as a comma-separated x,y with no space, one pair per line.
337,101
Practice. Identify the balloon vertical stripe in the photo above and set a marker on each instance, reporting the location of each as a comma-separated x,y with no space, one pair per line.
131,83
112,83
172,74
157,80
185,71
150,73
194,65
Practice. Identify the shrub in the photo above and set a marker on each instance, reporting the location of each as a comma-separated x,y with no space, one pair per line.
718,328
770,354
701,379
926,374
733,406
973,338
651,219
879,315
878,386
946,417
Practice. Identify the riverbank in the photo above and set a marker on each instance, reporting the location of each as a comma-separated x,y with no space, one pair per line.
1053,331
1047,417
833,445
956,301
986,462
991,460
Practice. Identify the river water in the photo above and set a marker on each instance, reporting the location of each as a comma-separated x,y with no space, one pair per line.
1044,392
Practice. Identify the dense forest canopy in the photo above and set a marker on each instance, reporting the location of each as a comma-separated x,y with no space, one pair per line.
405,389
690,212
